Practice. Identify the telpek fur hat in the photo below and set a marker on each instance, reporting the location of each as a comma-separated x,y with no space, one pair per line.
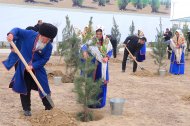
48,30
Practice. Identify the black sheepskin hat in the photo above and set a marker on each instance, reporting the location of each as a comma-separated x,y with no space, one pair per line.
143,38
48,30
32,28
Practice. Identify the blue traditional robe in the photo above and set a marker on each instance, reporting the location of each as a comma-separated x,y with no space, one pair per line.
178,45
13,57
141,55
98,76
177,68
36,58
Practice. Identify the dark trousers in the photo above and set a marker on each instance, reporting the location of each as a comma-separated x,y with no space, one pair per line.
114,51
169,51
125,56
25,99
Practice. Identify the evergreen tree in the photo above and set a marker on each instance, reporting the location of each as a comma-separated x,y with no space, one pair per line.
86,88
122,4
145,3
155,4
116,35
174,28
159,49
185,33
162,2
77,3
102,2
168,4
68,49
107,1
132,29
137,4
185,30
115,31
140,4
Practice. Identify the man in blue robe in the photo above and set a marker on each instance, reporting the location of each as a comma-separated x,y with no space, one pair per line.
36,49
12,59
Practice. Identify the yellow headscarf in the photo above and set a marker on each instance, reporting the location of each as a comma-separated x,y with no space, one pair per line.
179,40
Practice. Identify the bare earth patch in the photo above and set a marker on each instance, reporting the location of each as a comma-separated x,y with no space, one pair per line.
54,117
150,101
65,77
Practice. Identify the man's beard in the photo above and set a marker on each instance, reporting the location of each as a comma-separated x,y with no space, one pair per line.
40,45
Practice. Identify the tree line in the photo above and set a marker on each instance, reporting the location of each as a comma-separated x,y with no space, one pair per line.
138,4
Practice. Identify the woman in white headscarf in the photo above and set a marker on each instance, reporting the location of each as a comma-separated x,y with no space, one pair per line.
101,51
178,45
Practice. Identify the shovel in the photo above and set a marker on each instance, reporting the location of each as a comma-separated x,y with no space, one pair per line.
32,74
134,59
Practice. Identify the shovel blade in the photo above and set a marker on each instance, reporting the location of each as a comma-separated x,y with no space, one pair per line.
49,99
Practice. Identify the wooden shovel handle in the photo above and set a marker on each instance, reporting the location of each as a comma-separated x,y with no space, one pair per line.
26,65
133,57
131,54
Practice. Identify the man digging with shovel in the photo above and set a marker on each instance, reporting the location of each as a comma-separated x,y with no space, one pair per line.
30,73
132,45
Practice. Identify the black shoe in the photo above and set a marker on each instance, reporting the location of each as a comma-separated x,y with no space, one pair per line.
27,113
123,71
48,108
